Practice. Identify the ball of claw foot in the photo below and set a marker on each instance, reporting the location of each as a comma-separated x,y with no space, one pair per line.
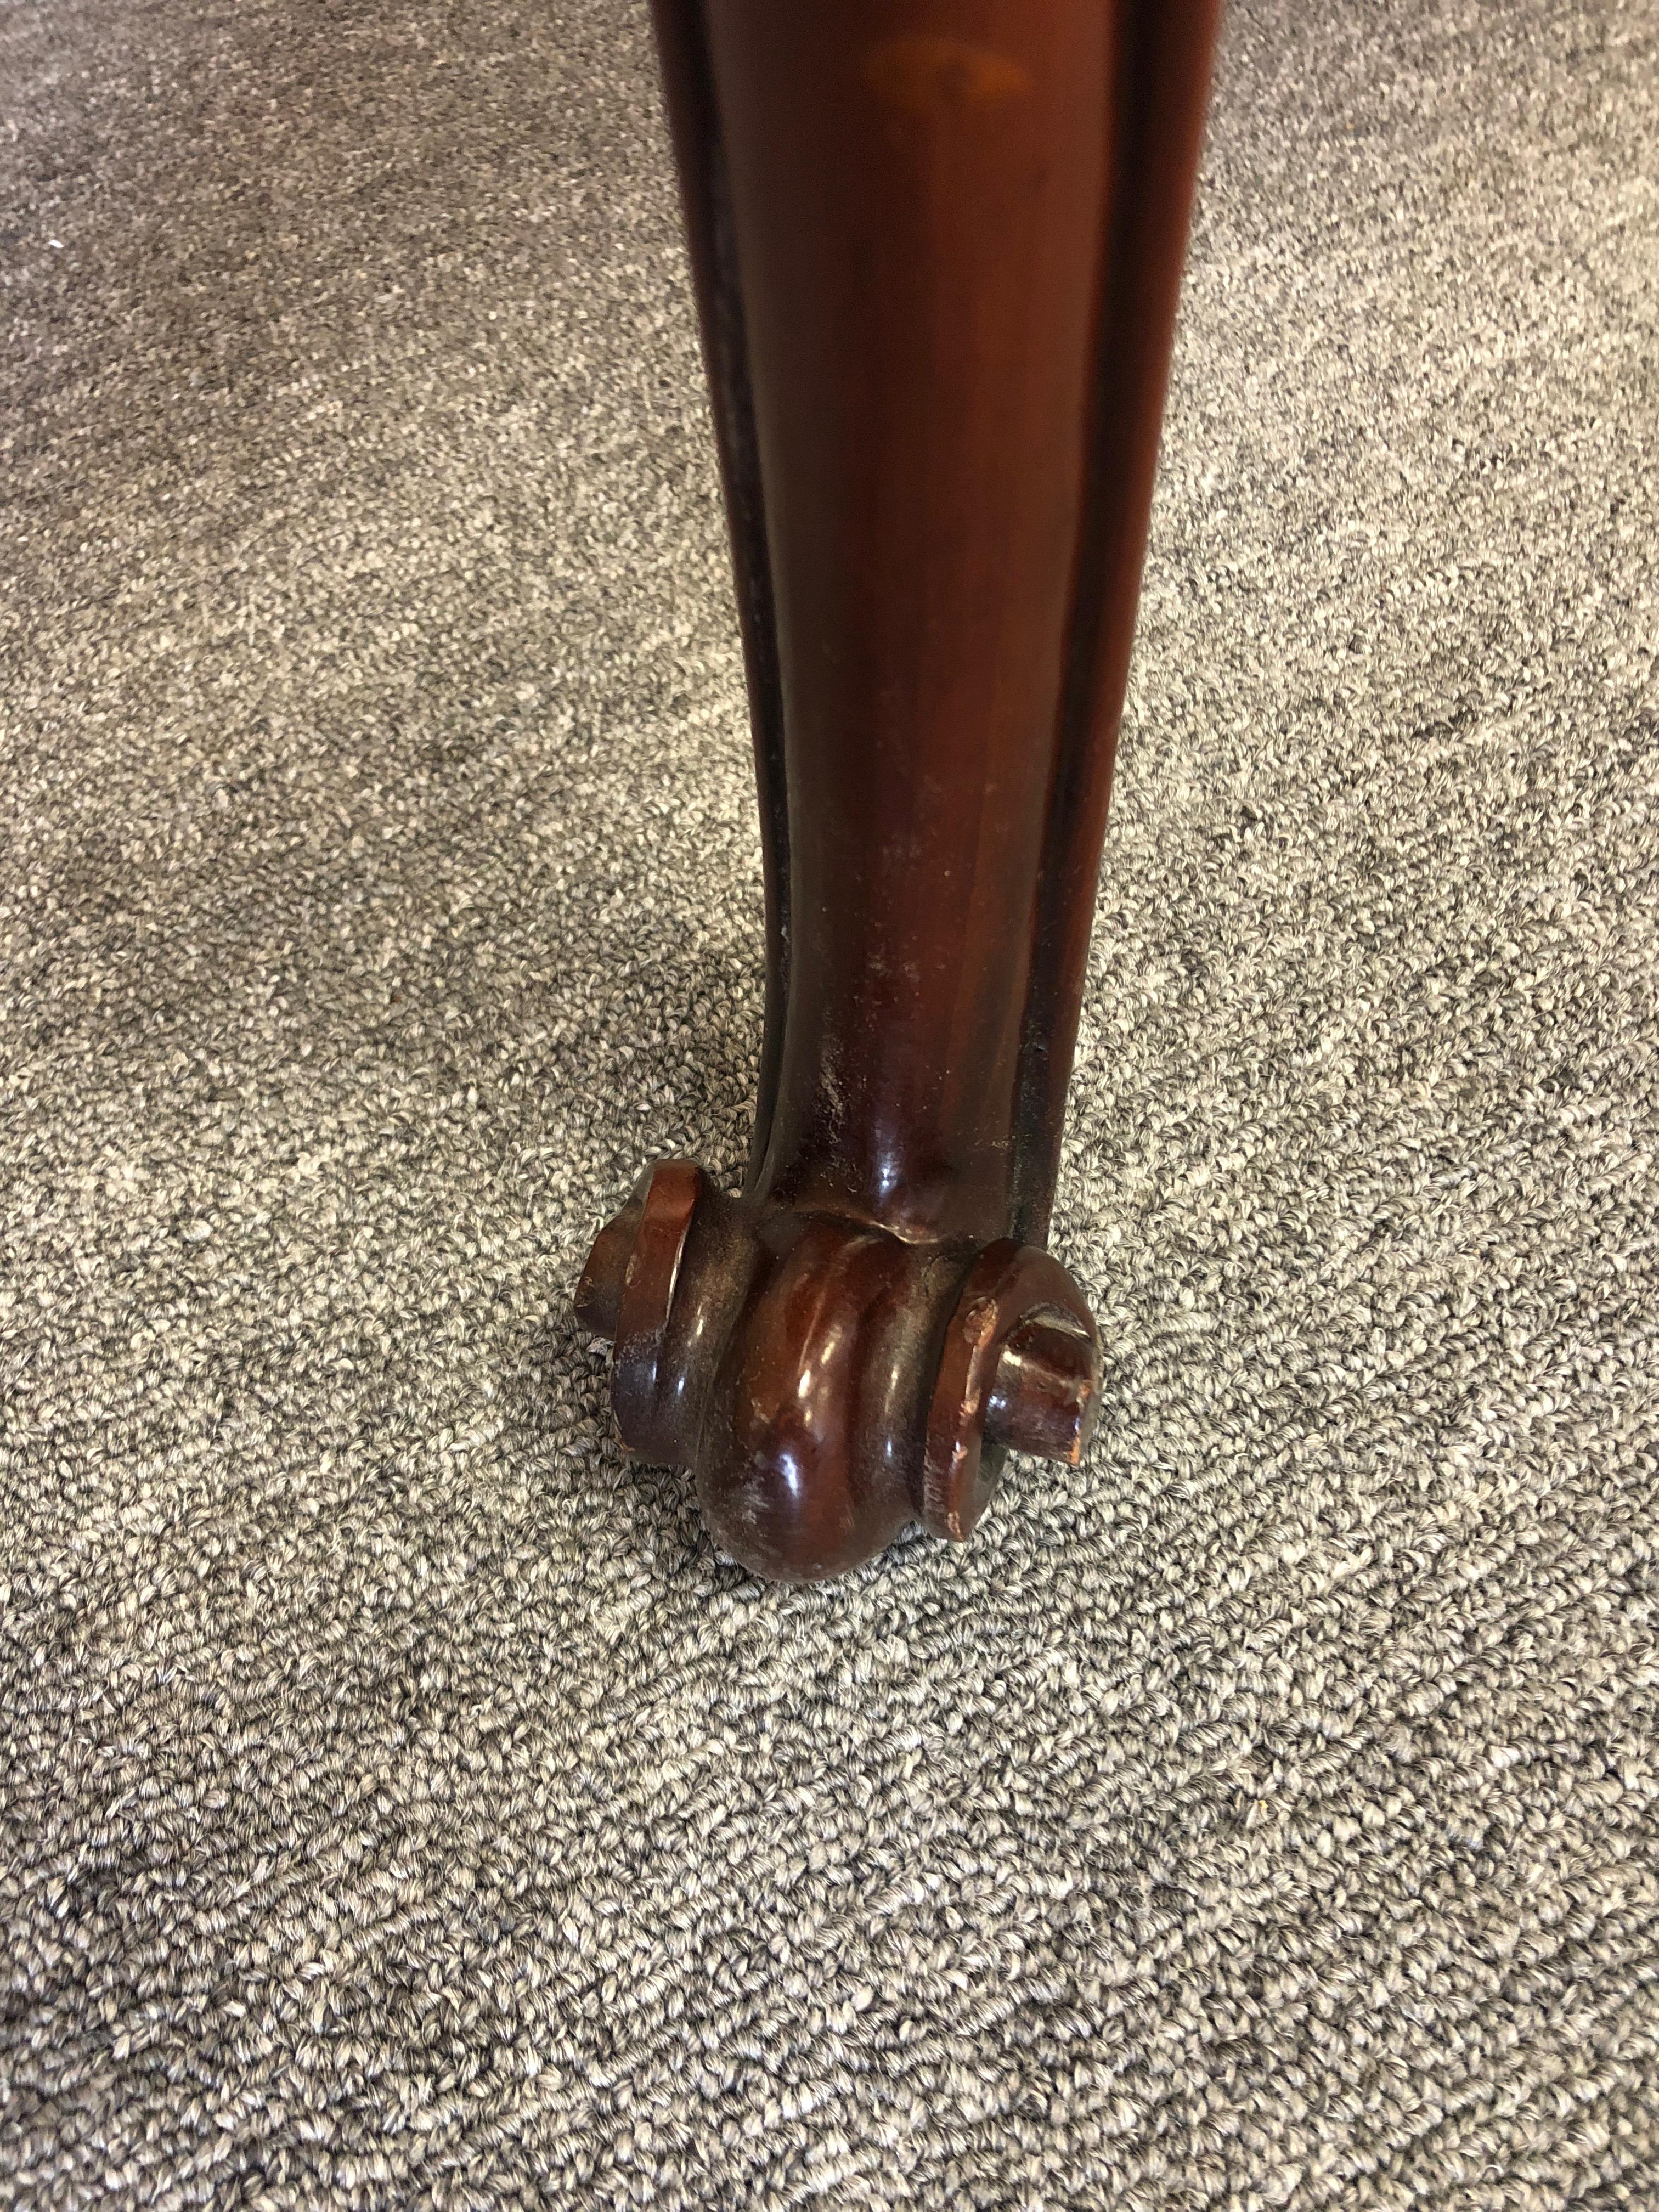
801,1472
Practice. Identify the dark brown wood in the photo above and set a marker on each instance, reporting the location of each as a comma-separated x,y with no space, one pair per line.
936,246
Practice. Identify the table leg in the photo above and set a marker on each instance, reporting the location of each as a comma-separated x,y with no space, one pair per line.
937,246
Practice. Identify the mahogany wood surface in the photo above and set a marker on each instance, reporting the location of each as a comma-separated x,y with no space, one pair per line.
936,246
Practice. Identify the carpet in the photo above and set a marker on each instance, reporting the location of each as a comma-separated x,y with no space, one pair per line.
400,1803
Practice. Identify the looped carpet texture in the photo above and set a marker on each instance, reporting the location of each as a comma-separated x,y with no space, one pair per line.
400,1804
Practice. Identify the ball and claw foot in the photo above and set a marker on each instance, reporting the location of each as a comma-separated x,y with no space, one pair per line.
826,1381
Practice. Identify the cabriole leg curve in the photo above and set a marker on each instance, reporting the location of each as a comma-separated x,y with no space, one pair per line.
936,246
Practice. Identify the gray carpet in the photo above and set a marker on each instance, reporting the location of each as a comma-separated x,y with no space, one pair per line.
401,1804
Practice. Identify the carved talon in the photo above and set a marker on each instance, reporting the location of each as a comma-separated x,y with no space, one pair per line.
1020,1369
1045,1399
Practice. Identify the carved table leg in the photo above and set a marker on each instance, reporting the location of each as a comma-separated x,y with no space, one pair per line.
937,246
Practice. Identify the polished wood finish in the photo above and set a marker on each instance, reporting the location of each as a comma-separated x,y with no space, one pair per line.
936,246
